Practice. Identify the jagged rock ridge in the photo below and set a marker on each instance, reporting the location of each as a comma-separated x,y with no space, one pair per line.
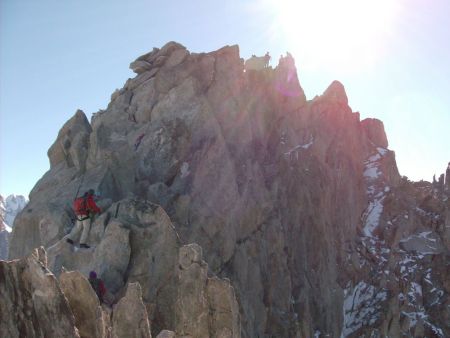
35,304
299,203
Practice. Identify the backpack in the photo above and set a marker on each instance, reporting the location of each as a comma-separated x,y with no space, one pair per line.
80,206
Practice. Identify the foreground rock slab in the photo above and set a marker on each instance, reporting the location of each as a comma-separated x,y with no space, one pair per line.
90,319
130,318
206,307
32,303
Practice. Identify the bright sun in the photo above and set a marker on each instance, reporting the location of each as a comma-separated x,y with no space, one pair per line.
339,34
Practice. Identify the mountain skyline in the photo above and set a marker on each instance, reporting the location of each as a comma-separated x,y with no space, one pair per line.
394,66
208,169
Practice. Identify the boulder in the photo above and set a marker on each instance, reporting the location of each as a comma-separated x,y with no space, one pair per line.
112,255
148,56
206,307
168,49
154,247
425,243
158,57
130,315
192,305
166,334
177,57
85,305
71,145
140,66
224,309
190,254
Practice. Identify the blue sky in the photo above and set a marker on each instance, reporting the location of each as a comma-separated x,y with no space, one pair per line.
58,56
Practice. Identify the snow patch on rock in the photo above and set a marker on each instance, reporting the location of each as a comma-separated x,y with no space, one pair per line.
376,192
362,305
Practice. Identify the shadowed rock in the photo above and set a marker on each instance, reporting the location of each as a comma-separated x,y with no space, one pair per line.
130,315
90,319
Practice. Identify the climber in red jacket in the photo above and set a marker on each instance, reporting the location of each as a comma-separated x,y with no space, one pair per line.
84,208
98,286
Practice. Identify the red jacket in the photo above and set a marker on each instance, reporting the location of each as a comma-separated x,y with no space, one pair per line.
91,206
83,205
99,287
102,288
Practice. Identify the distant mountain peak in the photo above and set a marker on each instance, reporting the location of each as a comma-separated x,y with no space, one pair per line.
9,208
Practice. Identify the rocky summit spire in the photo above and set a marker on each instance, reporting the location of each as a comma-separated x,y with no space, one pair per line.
336,92
240,208
374,129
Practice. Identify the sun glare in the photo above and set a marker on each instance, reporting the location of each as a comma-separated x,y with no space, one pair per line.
345,35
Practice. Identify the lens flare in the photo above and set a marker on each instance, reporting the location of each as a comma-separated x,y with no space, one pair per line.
346,35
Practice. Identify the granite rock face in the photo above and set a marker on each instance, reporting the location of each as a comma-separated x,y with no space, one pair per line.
205,307
33,304
295,202
130,318
134,244
90,319
375,132
70,147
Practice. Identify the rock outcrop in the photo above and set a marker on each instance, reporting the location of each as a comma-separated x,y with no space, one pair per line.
298,203
33,304
72,143
90,319
130,318
375,132
399,274
205,307
134,244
